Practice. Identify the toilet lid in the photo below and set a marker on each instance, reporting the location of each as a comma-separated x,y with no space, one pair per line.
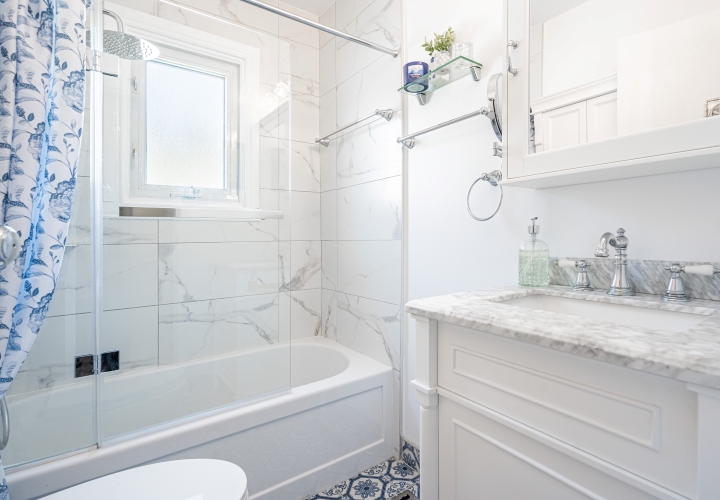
177,480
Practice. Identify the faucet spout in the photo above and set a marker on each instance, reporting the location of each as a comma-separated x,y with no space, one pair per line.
602,248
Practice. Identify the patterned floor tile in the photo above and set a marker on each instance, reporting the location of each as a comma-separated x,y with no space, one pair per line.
381,482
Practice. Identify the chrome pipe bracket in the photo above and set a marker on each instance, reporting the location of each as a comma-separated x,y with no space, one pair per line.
409,143
422,99
475,73
512,44
493,178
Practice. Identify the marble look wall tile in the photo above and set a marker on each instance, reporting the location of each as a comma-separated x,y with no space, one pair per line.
124,232
304,68
270,199
298,32
206,328
369,153
380,23
267,44
375,87
302,171
302,270
133,332
327,68
328,19
302,215
273,111
329,265
347,10
73,293
369,327
328,170
130,276
79,227
646,276
370,269
305,117
329,314
269,162
306,313
284,313
201,271
328,109
217,231
239,12
328,215
51,362
370,211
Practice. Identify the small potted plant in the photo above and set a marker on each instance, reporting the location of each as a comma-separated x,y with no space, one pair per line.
439,49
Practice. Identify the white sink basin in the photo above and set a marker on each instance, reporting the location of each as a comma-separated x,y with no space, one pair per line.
654,319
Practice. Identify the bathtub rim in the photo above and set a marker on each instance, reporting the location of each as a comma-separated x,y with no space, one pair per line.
362,374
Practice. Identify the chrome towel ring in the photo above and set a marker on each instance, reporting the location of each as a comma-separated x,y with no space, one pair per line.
494,179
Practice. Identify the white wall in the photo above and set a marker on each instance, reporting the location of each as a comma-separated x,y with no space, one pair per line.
666,217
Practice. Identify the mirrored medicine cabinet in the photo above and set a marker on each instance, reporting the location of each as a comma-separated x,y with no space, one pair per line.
610,89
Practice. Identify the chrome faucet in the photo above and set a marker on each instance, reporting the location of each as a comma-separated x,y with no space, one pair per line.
620,284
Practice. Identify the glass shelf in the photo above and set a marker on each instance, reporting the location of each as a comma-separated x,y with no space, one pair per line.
449,72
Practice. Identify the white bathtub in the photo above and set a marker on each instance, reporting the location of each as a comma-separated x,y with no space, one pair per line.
336,420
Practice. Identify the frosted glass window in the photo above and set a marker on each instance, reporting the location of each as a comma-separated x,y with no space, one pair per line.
185,127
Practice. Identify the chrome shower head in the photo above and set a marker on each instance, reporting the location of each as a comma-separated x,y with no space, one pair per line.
127,46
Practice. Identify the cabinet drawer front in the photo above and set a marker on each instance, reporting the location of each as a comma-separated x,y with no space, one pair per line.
482,458
640,422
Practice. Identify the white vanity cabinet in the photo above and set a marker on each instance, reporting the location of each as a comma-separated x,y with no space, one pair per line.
505,419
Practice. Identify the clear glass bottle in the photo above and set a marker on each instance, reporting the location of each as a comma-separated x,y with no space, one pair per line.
534,258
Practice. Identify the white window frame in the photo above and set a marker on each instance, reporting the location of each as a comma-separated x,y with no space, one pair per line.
188,47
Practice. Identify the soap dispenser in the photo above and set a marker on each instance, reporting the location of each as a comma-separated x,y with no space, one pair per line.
534,259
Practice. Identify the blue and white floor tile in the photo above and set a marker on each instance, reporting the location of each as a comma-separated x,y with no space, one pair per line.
382,482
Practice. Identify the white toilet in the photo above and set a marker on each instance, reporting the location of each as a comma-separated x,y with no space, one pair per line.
177,480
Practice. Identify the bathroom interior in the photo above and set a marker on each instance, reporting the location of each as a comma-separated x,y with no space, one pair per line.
360,249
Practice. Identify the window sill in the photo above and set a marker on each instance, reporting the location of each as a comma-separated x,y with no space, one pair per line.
193,213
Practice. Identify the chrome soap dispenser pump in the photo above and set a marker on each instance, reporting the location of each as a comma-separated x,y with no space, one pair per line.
534,259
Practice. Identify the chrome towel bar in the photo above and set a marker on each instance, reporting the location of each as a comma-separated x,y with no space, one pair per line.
409,140
321,27
385,113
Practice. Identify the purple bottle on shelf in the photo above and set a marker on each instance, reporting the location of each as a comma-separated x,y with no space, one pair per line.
414,71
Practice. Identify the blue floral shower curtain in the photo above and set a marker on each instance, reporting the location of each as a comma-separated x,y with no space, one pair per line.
42,96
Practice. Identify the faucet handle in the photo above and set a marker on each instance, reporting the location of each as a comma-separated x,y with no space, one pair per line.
620,241
675,292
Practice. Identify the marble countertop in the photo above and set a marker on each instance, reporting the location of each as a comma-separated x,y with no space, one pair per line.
691,356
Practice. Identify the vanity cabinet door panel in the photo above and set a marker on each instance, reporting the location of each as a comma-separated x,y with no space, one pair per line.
644,423
602,121
566,126
481,458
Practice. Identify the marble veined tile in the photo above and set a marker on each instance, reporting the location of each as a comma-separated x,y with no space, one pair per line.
328,19
133,332
375,87
370,269
347,10
79,226
269,162
370,211
206,328
127,231
369,327
327,68
380,23
215,231
328,215
306,313
239,12
303,165
305,117
369,153
304,68
130,277
328,110
302,215
51,362
73,293
201,271
328,170
298,32
302,271
329,314
329,265
224,25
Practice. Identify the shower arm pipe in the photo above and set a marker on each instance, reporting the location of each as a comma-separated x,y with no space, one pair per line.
118,21
385,113
409,140
321,27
